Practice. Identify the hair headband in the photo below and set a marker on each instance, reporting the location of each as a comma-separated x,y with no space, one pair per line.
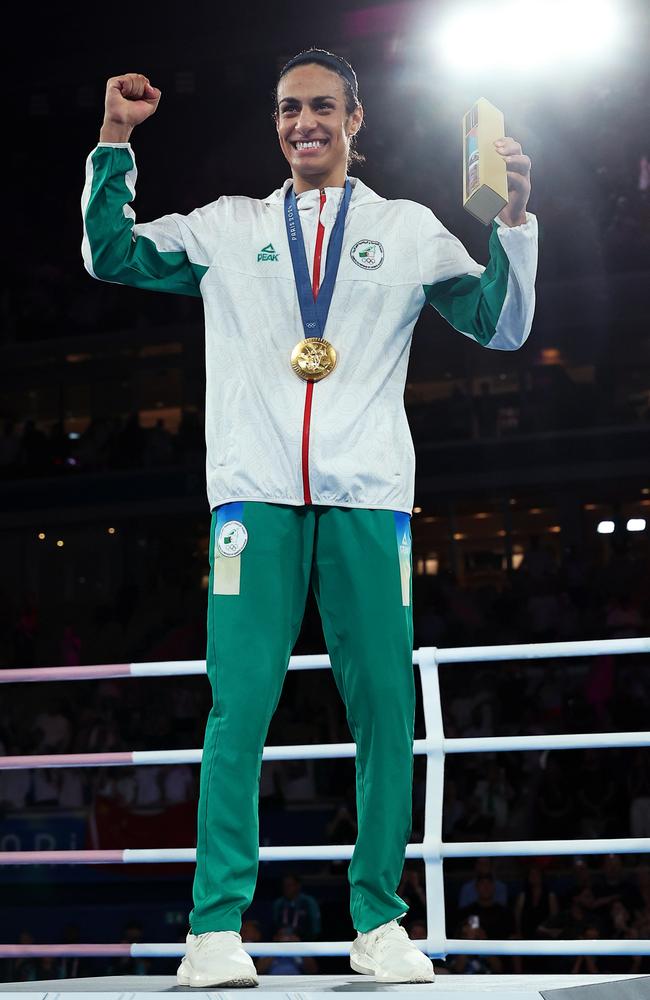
327,59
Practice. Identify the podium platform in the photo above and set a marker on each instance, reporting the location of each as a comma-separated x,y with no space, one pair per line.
446,987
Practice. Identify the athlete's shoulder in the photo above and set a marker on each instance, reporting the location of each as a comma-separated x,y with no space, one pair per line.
234,208
412,209
419,216
241,202
409,217
241,199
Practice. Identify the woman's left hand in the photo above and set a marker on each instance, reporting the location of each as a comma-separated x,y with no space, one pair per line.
518,173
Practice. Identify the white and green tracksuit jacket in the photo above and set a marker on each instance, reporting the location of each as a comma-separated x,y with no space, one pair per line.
271,437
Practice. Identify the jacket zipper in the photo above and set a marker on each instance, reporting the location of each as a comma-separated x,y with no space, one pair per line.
306,421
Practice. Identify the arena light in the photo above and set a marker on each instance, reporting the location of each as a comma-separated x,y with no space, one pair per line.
636,524
605,527
553,33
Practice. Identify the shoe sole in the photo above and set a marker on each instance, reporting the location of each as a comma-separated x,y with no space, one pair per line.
206,983
367,971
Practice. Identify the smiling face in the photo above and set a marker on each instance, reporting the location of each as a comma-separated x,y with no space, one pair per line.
314,126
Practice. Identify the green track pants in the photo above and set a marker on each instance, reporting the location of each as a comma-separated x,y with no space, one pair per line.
262,560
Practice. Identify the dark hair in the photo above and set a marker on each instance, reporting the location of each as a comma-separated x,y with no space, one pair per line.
340,66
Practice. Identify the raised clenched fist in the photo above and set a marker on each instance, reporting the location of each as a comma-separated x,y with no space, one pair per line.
130,99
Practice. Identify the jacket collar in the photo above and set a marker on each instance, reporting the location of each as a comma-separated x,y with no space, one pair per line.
361,194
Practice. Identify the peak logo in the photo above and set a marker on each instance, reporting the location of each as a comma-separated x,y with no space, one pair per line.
268,253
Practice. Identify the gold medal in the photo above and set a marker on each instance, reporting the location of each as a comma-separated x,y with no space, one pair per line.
313,359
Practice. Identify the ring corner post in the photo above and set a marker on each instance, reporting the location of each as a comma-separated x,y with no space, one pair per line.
427,660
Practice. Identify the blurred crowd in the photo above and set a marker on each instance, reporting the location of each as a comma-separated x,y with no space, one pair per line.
32,451
547,400
541,899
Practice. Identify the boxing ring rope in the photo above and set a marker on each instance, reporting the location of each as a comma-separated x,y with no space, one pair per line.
432,850
327,751
460,654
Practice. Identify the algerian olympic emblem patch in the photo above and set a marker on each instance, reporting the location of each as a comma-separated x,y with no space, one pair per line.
233,538
368,254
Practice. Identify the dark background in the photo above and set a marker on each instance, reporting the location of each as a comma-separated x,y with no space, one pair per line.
520,454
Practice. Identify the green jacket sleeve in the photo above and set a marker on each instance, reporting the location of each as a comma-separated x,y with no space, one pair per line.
165,256
495,304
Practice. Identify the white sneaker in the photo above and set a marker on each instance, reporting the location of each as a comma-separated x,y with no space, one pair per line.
388,954
216,958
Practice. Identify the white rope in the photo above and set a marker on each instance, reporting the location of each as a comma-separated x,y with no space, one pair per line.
568,741
168,668
334,751
458,946
541,848
581,946
543,650
342,948
479,849
138,856
309,751
467,654
461,654
164,668
429,851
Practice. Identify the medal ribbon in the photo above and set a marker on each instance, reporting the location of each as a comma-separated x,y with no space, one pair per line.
314,312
